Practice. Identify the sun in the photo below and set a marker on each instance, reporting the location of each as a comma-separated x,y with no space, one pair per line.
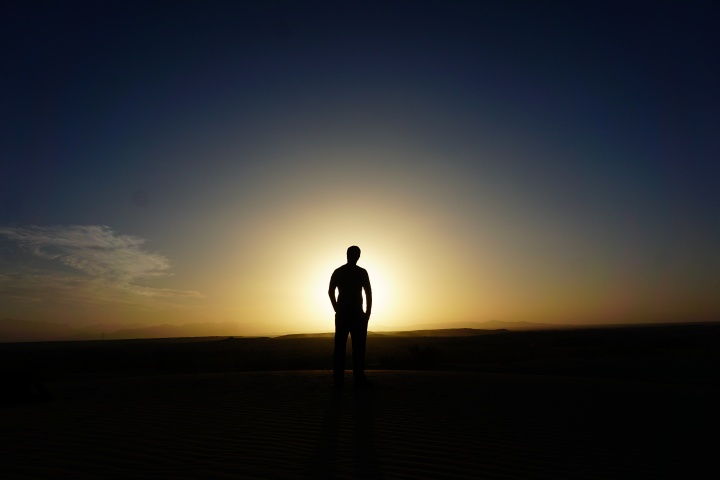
318,309
382,290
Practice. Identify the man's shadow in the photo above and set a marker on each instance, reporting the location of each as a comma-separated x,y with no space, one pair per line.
327,456
367,464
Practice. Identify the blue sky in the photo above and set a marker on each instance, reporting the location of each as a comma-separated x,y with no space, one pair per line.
486,156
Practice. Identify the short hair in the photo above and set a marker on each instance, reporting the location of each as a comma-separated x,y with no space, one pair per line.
353,252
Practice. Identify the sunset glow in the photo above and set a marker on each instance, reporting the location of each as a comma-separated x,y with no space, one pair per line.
492,163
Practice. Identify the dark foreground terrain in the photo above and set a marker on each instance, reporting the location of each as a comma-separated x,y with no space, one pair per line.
624,403
665,353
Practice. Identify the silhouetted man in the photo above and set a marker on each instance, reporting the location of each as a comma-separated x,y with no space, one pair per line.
350,280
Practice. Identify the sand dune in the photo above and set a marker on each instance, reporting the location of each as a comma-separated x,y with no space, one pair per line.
411,425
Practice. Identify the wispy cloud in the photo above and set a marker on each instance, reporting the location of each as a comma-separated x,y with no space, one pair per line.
93,249
102,259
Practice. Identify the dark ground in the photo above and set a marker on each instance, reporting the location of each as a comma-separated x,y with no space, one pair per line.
635,402
666,353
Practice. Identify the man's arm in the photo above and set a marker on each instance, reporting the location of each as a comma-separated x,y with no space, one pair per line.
331,292
368,296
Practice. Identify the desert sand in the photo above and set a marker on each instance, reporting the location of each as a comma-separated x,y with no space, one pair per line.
631,403
412,424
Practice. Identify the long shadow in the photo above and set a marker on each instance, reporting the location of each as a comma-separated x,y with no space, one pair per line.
366,460
323,463
327,457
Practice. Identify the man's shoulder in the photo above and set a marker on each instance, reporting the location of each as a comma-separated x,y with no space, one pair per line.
360,271
349,268
339,271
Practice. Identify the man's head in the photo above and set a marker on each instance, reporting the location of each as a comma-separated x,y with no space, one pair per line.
353,254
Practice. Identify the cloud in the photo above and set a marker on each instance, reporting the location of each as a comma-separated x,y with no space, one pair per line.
108,260
93,249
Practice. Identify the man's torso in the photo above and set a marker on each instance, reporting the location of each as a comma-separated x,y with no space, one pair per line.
350,280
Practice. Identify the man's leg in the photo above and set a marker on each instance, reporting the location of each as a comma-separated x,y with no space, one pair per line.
341,333
359,340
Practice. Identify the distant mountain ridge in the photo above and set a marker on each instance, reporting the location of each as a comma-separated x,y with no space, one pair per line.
440,332
486,325
13,330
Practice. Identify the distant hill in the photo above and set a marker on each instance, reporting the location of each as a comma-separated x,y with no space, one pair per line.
12,330
308,335
487,325
440,332
207,329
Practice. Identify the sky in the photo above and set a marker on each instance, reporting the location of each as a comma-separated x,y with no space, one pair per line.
188,161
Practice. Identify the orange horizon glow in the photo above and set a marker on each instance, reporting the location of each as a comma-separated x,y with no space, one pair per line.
428,263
